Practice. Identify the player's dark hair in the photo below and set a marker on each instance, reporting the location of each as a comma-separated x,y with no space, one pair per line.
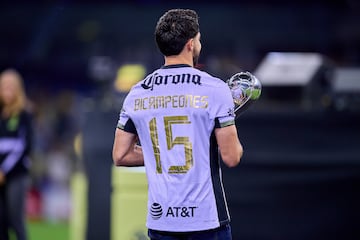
174,29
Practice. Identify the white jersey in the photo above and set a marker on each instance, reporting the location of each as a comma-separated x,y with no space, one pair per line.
174,111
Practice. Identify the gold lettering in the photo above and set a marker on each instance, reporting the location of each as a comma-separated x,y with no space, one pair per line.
160,101
144,103
151,103
155,144
175,101
182,101
204,100
167,101
196,101
181,140
189,100
137,104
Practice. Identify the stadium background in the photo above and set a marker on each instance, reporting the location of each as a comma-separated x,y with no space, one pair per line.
300,175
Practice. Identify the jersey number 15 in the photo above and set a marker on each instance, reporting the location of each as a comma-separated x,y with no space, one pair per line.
171,142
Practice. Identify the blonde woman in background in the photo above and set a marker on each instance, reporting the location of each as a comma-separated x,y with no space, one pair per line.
15,146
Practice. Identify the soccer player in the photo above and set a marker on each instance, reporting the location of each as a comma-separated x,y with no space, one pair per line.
183,118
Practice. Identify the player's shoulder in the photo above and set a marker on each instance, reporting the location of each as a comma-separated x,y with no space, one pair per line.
203,78
141,85
209,78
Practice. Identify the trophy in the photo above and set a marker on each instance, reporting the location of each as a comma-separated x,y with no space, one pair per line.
245,89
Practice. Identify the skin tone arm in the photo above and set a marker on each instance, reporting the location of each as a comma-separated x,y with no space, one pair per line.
125,151
230,147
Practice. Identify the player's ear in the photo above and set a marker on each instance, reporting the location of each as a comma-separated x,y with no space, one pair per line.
190,44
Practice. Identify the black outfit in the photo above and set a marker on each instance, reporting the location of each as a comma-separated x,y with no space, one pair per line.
15,146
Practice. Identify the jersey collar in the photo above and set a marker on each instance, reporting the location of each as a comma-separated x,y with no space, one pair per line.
175,66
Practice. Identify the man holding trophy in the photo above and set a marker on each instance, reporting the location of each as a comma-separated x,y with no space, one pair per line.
184,119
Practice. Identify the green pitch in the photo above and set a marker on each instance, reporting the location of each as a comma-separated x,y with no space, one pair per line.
45,230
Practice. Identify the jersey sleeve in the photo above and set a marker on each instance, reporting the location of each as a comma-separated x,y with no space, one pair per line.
223,107
125,122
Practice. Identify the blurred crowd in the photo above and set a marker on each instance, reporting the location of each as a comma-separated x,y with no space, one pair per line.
53,157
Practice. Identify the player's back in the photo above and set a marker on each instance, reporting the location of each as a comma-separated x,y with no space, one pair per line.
174,110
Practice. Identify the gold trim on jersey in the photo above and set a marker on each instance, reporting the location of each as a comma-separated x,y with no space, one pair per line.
174,101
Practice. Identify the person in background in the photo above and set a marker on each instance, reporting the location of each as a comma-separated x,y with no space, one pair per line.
184,119
15,146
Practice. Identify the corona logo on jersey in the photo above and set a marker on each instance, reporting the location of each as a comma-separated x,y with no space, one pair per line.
156,212
156,79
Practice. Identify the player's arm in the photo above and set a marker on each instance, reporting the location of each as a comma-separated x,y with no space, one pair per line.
125,150
230,147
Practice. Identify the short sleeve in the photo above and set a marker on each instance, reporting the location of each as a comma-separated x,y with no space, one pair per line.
125,122
223,107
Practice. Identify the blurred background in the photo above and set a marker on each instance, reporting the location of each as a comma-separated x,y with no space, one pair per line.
300,175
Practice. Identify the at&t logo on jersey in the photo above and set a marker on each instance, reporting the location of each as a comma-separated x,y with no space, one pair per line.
156,212
182,212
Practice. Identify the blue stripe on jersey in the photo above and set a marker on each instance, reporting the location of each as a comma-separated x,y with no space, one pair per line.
217,182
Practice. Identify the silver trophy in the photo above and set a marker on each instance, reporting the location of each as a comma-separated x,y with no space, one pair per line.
245,89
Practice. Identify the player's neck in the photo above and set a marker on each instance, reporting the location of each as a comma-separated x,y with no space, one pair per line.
178,59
